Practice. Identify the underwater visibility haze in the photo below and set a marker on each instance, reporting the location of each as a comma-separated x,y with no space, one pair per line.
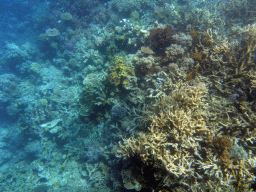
128,95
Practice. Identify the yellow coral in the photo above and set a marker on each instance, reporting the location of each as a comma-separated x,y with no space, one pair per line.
120,71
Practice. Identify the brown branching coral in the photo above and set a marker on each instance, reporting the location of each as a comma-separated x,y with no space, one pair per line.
227,57
160,38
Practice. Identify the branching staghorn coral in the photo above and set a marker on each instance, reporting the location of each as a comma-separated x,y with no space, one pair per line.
185,138
169,139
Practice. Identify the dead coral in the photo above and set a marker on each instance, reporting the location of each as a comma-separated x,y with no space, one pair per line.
130,181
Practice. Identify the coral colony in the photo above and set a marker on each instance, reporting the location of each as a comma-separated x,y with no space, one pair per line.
128,95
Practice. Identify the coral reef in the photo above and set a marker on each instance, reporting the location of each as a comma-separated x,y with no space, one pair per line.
121,95
15,55
183,137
